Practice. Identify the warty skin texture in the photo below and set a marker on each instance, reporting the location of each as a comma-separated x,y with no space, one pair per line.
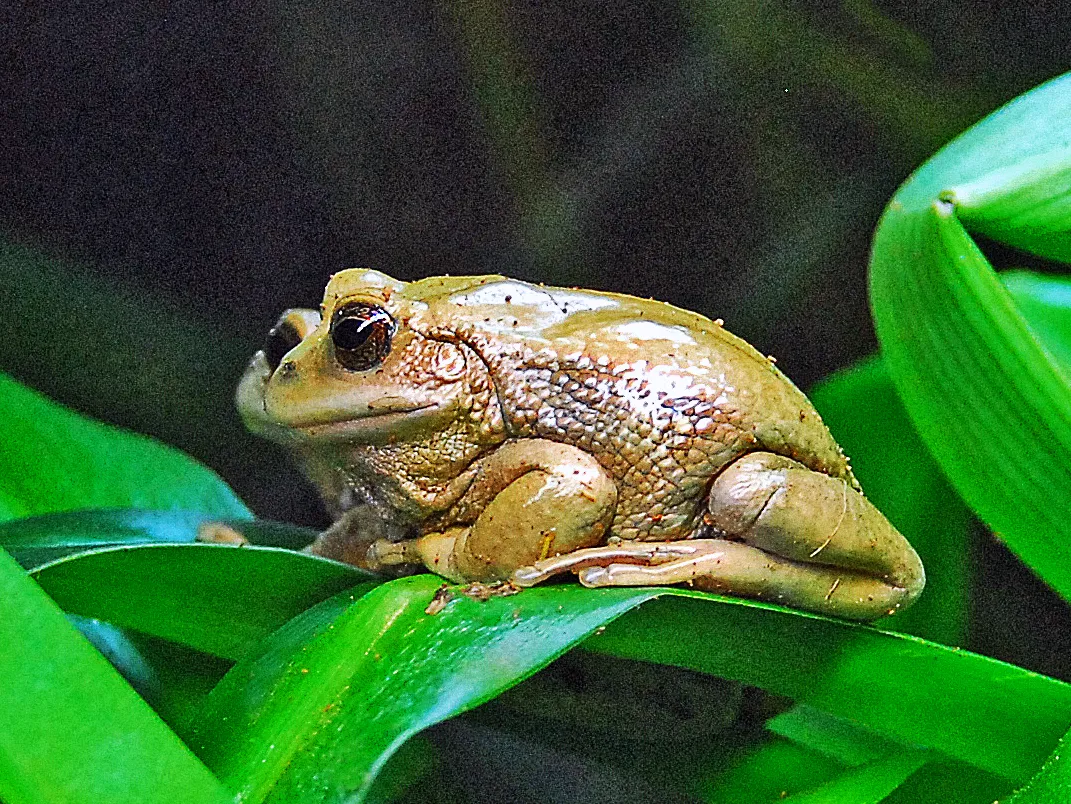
510,426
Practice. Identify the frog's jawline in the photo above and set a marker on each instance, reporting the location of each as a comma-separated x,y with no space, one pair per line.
384,421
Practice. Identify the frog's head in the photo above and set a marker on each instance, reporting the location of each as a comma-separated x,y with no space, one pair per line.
358,372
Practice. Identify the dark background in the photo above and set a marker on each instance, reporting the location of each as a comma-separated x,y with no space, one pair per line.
173,175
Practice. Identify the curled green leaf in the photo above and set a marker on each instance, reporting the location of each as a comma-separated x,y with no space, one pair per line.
989,398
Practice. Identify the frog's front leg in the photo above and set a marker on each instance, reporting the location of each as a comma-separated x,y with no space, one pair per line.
788,535
530,499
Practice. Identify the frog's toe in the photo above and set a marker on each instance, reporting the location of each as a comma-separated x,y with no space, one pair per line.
220,533
528,576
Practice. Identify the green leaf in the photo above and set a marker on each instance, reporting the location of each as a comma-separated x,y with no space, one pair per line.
71,730
1052,784
768,772
839,738
979,711
172,678
1045,302
55,459
941,782
900,477
865,784
39,540
990,400
355,679
215,598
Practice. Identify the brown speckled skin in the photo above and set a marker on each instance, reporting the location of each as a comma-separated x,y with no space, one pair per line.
662,425
663,400
584,368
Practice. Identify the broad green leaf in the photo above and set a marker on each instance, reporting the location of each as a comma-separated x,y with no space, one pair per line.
865,784
1045,303
842,740
862,410
979,711
172,678
215,598
836,737
767,773
38,540
71,730
990,400
1052,785
355,679
54,459
942,782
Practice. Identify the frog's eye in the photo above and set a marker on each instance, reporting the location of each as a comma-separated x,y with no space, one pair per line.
281,339
361,335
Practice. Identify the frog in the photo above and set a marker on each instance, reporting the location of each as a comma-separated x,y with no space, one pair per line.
492,430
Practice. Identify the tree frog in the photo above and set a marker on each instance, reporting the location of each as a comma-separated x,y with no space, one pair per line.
488,429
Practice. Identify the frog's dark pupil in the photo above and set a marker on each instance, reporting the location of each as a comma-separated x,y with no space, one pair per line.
351,332
281,339
361,335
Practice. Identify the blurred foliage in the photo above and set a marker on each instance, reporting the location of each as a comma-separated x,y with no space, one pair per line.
192,174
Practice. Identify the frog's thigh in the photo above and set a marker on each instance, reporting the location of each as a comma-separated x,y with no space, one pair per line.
819,522
542,499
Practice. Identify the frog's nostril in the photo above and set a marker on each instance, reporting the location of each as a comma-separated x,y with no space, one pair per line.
281,339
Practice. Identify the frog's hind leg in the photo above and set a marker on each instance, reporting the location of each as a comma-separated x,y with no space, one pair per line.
531,498
786,534
823,526
719,565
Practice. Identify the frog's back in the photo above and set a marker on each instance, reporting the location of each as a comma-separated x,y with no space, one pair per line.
662,397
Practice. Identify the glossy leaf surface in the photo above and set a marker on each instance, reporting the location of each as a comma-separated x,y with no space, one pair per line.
71,730
985,713
353,678
55,459
991,401
339,689
38,540
214,598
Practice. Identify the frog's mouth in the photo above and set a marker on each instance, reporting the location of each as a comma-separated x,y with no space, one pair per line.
381,421
289,417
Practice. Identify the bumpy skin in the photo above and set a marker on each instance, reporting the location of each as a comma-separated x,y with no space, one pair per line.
515,430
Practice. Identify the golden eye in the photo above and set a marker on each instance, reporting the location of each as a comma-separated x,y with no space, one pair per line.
361,335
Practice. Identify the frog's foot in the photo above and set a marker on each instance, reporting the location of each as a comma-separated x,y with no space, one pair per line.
220,533
720,565
620,554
